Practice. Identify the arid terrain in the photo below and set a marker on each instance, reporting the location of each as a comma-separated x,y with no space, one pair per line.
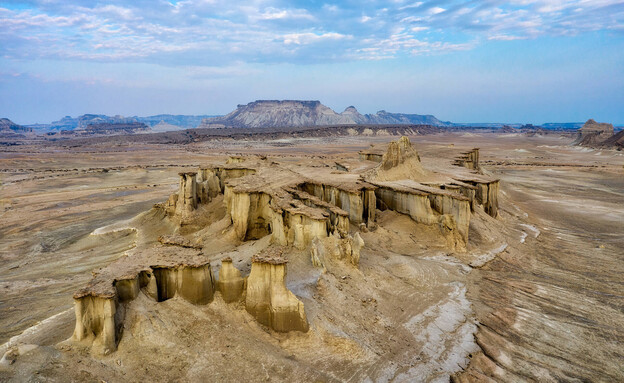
534,294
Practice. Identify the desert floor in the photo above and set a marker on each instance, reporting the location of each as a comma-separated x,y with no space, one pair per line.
548,306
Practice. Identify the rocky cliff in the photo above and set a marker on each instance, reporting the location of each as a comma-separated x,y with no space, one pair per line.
292,113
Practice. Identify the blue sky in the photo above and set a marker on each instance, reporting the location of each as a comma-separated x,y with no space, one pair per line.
529,61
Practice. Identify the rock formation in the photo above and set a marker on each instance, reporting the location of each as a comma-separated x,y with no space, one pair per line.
593,133
313,210
469,159
108,128
161,273
267,297
165,272
292,113
615,142
230,283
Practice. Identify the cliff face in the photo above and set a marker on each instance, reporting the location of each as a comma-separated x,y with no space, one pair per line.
292,113
268,299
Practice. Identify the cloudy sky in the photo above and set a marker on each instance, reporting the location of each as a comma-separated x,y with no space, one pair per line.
465,61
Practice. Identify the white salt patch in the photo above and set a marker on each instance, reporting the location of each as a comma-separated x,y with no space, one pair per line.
447,331
485,258
523,237
536,232
115,227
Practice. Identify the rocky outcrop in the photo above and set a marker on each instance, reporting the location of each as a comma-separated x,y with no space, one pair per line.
165,272
267,297
107,128
186,201
614,142
161,273
399,162
428,205
593,133
469,159
480,189
358,200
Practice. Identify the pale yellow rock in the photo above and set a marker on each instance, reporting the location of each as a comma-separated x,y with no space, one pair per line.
356,246
95,323
268,299
230,282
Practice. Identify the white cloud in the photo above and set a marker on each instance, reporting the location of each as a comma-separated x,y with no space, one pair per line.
308,38
277,14
266,31
436,10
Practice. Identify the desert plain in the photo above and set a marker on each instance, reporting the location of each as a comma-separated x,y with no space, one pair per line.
536,295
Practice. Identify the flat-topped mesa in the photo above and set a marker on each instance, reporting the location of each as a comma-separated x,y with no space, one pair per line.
161,274
469,159
267,297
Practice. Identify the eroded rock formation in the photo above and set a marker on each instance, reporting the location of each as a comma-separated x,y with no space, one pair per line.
599,135
230,283
313,210
161,273
267,297
593,133
469,159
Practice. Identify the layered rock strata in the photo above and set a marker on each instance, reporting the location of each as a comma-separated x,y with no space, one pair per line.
267,297
428,205
160,273
230,283
469,159
593,133
163,273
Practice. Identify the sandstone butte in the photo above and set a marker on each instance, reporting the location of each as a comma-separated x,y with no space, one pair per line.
317,210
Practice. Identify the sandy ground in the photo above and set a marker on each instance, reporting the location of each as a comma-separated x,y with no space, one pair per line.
547,307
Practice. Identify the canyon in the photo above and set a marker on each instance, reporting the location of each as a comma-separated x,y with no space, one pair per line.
328,258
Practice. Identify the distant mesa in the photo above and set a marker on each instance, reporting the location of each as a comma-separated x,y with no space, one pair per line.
295,113
9,127
106,128
595,134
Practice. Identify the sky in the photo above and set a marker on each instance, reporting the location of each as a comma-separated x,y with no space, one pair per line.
525,61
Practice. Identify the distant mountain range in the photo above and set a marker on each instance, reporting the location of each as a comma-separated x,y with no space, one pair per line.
158,123
276,113
257,114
